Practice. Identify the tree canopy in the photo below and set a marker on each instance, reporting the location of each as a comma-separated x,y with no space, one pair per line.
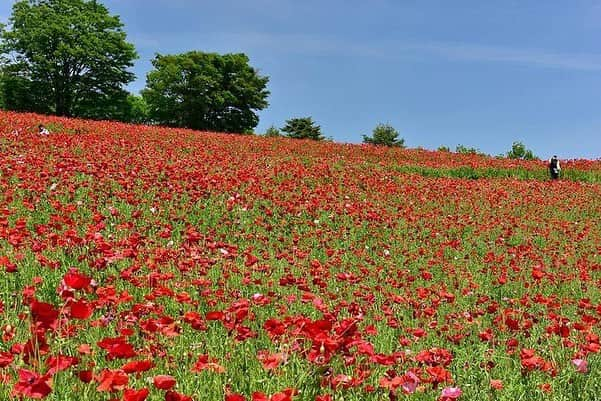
302,128
519,151
205,91
66,57
273,131
469,150
385,135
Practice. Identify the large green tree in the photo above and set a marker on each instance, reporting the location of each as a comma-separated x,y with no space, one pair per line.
66,57
205,91
303,128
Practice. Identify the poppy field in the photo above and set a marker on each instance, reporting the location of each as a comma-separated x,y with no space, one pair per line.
145,263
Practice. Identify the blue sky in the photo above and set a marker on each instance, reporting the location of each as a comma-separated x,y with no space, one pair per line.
476,73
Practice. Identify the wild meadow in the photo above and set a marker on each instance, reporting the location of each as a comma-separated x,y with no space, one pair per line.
146,263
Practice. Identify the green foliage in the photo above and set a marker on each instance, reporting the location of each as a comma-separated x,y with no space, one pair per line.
519,151
2,101
205,91
2,64
385,135
273,131
443,148
303,128
22,94
127,108
476,173
70,57
469,150
135,110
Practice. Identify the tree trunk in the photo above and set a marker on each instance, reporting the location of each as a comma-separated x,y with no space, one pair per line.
60,105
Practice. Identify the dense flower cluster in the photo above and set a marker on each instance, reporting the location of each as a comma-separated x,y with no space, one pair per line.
148,263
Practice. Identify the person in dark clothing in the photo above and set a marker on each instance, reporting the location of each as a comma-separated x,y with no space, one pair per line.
554,167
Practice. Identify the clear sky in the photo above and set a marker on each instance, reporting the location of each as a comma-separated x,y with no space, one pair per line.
476,73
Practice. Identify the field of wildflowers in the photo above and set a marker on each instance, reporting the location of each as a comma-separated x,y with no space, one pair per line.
145,263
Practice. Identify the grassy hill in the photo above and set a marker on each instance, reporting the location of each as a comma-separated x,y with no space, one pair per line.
151,263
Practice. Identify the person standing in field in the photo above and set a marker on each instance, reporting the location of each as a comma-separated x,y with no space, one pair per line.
554,167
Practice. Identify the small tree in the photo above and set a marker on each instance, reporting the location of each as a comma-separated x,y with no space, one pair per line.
273,132
519,151
303,128
385,135
468,150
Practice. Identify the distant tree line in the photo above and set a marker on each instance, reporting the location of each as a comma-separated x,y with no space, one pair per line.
306,128
71,58
65,57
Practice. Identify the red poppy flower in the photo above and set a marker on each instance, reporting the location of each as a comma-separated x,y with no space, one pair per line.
138,366
32,385
135,395
112,380
81,310
175,396
164,382
76,280
6,358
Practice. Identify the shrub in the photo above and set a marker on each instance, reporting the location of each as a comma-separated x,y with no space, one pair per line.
519,151
384,135
273,131
303,128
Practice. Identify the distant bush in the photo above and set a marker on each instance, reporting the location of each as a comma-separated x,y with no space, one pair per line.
519,151
303,128
475,173
273,131
471,151
384,135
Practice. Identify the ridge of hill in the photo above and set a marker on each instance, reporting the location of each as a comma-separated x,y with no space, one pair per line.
419,161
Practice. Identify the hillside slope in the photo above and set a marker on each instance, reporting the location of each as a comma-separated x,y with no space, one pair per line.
150,263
